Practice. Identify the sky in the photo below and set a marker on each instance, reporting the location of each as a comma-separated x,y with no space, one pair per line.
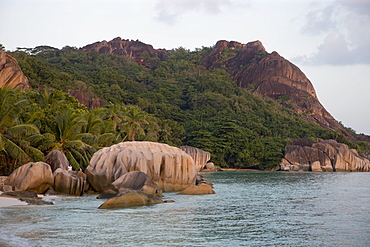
329,40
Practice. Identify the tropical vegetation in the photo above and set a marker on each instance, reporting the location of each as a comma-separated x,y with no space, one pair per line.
174,101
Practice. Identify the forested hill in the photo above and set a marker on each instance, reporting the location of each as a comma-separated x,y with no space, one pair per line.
180,97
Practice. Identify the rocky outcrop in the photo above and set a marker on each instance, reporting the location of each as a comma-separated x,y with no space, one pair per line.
126,48
199,156
201,189
323,155
56,159
135,180
169,167
11,74
34,177
269,74
31,198
70,182
130,199
85,99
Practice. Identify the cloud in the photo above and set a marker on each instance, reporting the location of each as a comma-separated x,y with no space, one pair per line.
345,25
170,11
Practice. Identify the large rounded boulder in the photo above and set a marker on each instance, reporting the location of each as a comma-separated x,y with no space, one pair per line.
169,167
34,177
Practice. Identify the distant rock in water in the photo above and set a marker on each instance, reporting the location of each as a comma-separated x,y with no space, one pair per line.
169,167
323,155
126,48
11,74
269,74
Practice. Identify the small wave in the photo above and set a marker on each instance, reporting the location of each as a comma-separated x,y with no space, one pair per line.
8,240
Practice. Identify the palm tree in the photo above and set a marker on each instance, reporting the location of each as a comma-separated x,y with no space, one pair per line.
14,147
134,123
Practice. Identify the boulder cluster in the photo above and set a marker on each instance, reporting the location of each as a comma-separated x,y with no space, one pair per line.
127,174
322,155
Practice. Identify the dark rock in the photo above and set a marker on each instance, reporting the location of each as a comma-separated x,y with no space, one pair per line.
85,99
56,159
26,196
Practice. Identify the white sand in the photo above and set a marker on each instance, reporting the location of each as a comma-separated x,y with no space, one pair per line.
9,202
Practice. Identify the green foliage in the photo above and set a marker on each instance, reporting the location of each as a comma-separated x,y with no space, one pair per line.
174,101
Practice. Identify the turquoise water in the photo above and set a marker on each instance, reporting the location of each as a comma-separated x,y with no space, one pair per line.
248,209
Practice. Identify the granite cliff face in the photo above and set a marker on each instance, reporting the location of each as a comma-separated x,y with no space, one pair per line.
126,48
269,74
11,74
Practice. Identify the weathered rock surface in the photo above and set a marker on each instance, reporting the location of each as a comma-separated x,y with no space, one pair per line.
56,159
271,75
323,155
34,177
11,74
169,167
70,182
85,99
201,189
199,156
126,48
31,198
130,199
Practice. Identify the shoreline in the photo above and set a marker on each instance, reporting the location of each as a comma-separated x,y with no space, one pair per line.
10,202
240,169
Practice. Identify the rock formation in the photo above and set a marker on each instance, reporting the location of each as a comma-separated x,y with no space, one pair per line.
201,189
56,159
199,156
130,199
323,155
34,177
271,75
70,182
169,167
11,74
31,198
126,48
86,100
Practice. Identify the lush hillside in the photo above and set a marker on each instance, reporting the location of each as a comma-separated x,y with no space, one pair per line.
180,102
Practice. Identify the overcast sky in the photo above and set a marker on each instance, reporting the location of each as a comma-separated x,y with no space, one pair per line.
329,40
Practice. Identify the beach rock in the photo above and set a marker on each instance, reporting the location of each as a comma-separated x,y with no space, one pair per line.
136,180
31,198
199,156
129,199
70,182
34,177
201,189
56,159
322,156
11,74
168,167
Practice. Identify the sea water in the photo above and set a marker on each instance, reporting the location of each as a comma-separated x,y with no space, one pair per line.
248,209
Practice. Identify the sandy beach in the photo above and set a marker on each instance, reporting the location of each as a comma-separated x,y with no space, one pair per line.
9,202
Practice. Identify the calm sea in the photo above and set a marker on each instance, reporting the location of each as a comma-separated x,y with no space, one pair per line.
249,209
